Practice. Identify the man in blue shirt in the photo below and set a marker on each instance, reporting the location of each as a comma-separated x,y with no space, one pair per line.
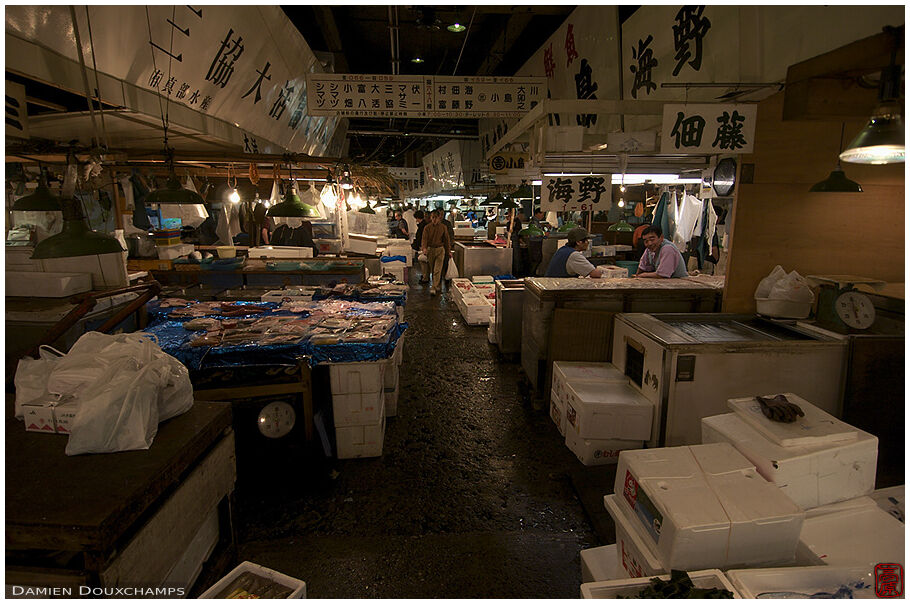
661,259
568,260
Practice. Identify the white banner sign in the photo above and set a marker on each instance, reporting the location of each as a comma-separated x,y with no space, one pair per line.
708,128
358,95
244,65
577,193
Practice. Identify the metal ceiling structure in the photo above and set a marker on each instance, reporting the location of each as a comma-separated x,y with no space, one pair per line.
497,41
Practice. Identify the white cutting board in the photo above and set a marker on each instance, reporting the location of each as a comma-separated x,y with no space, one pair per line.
816,428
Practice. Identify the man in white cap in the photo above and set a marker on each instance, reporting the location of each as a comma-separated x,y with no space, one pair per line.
568,260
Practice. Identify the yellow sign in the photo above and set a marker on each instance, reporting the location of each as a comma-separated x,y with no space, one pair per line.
502,163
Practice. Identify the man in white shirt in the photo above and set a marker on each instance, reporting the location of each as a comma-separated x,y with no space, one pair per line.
568,260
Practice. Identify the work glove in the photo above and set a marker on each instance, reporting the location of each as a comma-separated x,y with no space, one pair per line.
779,409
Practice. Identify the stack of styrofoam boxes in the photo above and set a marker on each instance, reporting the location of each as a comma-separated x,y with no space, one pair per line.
698,507
463,228
825,466
597,410
398,247
358,404
390,380
472,302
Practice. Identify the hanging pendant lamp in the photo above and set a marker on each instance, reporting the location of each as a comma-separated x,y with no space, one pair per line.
837,181
42,200
76,238
291,207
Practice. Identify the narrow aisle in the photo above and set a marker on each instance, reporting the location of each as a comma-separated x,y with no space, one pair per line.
471,497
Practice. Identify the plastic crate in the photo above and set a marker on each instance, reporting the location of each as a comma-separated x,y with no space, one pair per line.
705,579
298,586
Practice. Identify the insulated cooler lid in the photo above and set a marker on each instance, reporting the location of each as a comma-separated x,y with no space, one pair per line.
816,428
575,371
608,393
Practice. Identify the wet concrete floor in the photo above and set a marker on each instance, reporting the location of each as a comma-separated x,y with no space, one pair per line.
471,498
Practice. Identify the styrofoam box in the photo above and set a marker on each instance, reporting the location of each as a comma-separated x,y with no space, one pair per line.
354,378
705,579
360,441
361,244
598,452
635,555
890,499
704,506
288,295
280,251
328,246
558,411
813,428
602,410
809,475
863,535
565,372
20,259
107,270
298,586
186,570
391,402
482,279
399,352
841,506
357,408
750,582
598,564
399,272
169,252
390,379
46,285
464,232
400,249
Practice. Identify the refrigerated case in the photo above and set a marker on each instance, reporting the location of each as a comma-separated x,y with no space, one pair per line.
689,365
509,299
545,296
482,258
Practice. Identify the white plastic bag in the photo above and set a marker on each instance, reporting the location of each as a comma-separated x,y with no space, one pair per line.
421,257
452,271
31,377
120,411
765,285
177,396
792,288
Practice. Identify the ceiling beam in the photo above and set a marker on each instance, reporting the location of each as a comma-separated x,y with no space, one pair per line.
515,25
332,35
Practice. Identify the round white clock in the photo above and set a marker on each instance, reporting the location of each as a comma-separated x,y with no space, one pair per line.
276,419
855,310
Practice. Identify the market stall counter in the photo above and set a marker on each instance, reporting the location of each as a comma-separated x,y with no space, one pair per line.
130,519
257,272
571,319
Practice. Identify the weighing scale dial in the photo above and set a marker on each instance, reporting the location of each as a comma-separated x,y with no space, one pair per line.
855,310
276,419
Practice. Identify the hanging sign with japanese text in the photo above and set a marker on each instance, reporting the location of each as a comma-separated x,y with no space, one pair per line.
359,95
708,128
504,162
243,65
577,193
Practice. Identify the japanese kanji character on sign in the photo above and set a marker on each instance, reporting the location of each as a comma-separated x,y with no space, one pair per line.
708,128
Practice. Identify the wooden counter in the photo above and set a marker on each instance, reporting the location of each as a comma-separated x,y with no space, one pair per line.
131,515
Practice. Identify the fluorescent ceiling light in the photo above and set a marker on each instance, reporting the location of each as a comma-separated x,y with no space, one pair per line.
536,183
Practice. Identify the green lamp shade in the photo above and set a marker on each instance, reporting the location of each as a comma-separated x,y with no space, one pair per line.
532,231
292,207
42,200
496,199
173,193
837,182
622,225
76,239
523,192
881,141
565,228
509,204
367,209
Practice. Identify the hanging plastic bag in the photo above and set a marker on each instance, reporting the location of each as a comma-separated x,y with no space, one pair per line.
765,285
421,257
792,288
452,272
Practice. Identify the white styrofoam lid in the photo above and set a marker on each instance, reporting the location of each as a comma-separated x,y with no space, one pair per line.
749,497
859,536
666,462
607,393
807,580
720,458
732,426
815,428
841,506
689,502
576,371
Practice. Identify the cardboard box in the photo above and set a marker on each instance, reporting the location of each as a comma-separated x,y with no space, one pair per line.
356,378
608,410
360,441
358,408
809,475
39,417
598,452
705,506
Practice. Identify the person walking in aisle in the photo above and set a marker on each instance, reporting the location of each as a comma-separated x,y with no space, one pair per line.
401,228
436,244
445,262
415,245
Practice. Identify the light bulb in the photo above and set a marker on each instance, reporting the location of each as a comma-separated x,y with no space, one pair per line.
622,188
234,197
621,203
